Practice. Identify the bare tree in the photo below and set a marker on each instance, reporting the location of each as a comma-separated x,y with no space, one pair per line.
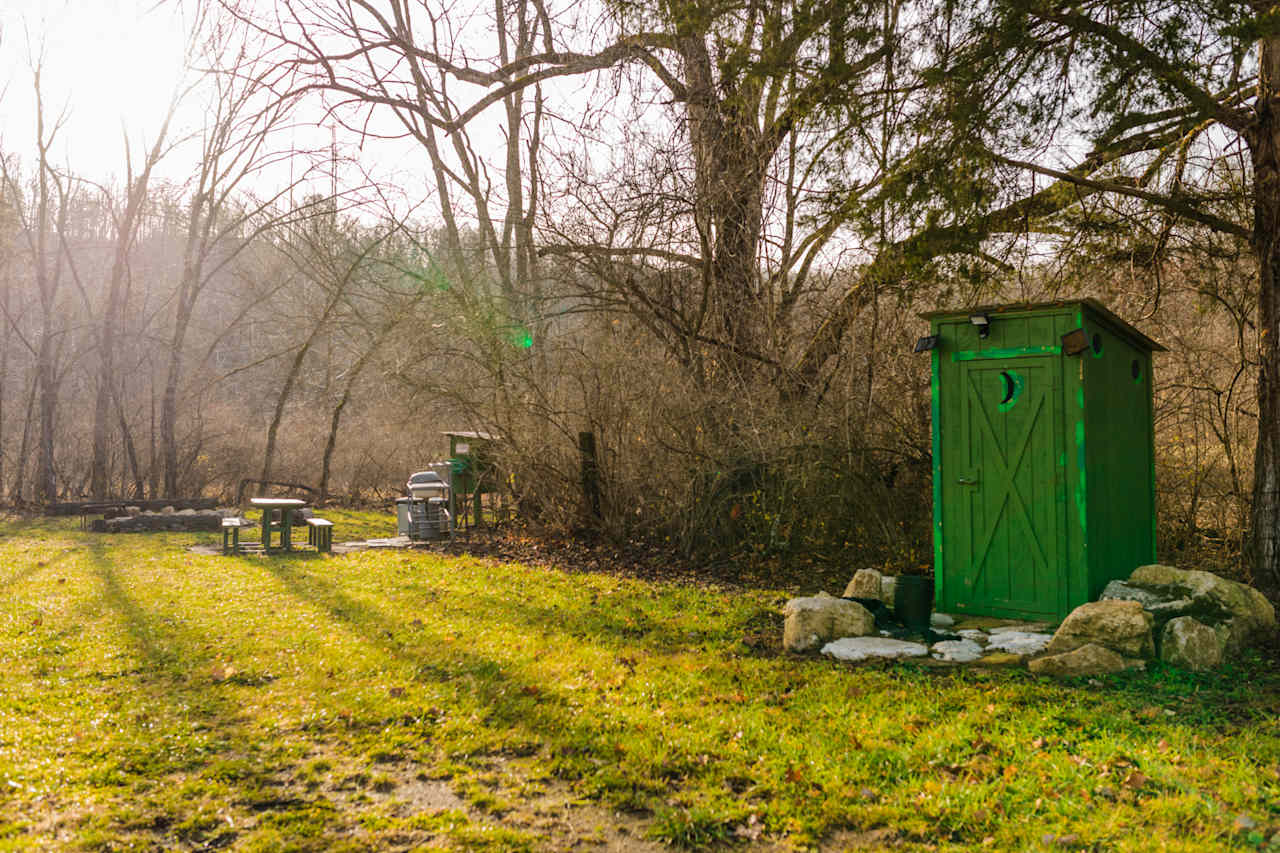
41,219
127,219
243,137
331,257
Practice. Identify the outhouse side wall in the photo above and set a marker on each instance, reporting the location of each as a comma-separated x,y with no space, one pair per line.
1114,437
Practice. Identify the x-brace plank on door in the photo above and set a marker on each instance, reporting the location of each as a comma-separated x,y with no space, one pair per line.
1007,483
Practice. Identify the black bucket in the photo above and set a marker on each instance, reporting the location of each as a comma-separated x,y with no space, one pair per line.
913,601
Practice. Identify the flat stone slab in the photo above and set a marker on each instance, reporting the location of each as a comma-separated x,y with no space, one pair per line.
974,635
956,651
389,542
1018,642
866,648
1023,627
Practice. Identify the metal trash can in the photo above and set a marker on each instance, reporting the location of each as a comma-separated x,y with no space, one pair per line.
402,516
438,517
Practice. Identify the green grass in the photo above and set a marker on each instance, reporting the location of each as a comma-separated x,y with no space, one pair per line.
153,698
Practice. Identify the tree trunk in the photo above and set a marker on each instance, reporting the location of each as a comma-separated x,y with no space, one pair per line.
130,451
332,443
1264,145
153,463
20,472
48,383
188,291
295,369
730,156
4,374
106,378
169,420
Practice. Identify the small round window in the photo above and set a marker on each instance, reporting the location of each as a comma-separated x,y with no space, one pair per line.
1135,370
1097,344
1010,389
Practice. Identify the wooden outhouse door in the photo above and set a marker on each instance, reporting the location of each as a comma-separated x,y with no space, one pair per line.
1004,507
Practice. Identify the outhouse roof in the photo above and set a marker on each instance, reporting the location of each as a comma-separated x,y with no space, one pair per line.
1092,304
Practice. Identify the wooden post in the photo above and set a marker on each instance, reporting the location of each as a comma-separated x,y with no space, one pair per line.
590,473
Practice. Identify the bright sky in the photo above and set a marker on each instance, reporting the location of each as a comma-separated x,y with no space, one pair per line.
112,65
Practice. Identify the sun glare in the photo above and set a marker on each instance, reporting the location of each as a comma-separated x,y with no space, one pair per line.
111,66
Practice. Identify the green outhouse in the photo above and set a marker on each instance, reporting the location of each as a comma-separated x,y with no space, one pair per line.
1043,456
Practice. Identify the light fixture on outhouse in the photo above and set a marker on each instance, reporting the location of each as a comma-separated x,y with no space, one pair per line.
983,322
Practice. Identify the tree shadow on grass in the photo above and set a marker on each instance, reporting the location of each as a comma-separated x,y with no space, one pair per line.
29,571
218,744
611,629
503,697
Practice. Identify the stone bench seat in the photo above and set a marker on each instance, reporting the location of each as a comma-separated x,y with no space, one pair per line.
231,534
320,534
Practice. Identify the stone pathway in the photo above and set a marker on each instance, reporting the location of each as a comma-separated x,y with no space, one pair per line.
352,547
975,640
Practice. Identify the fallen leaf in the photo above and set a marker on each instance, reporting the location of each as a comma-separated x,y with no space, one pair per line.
221,672
1135,780
793,775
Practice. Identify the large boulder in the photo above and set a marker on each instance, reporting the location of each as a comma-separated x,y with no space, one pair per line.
1243,615
865,584
811,622
1122,626
1089,659
1162,606
1190,644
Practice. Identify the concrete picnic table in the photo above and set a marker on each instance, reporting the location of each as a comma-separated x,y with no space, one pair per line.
286,506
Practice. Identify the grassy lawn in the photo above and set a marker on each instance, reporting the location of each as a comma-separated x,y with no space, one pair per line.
156,699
